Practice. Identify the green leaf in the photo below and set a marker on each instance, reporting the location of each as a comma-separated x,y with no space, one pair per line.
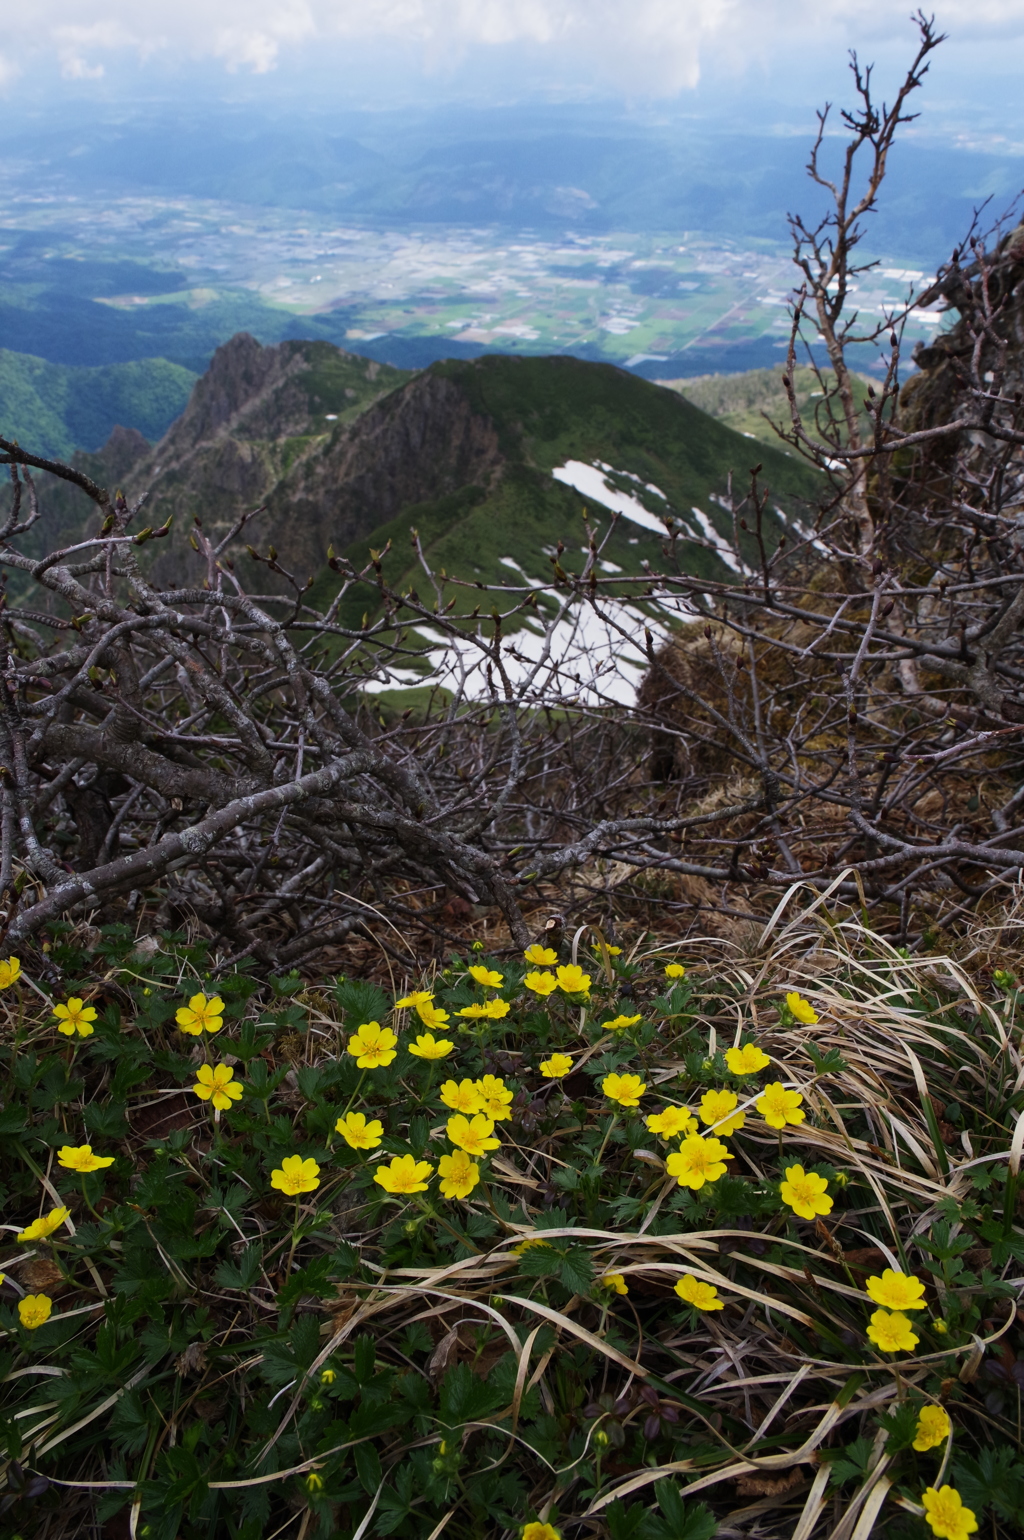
680,1520
129,1424
241,1273
305,1340
360,1002
419,1134
105,1119
417,1339
830,1063
625,1523
310,1081
577,1270
314,1279
540,1261
995,1479
367,1463
465,1397
851,1463
365,1356
901,1426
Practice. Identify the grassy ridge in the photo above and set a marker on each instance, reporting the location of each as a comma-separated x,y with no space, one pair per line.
551,410
745,402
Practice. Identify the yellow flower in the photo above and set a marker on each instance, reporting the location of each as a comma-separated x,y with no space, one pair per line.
531,1240
619,1023
34,1309
495,1098
715,1107
373,1045
405,1174
74,1017
295,1175
805,1192
614,1281
802,1010
201,1014
624,1089
572,980
698,1160
779,1106
746,1060
432,1016
427,1046
675,971
414,1001
492,1010
44,1226
537,1531
702,1296
896,1291
671,1121
328,1376
541,983
541,956
81,1158
940,1327
486,976
459,1175
892,1333
933,1427
357,1133
216,1083
554,1068
10,972
613,951
474,1135
945,1513
462,1096
314,1483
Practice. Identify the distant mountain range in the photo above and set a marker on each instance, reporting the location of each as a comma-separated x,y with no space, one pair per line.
54,409
588,167
492,460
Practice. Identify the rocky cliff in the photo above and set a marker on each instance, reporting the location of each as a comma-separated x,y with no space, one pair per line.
341,451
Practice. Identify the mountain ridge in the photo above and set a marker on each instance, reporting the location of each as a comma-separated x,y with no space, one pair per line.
491,459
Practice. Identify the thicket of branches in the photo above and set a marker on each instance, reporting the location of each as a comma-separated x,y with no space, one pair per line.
851,705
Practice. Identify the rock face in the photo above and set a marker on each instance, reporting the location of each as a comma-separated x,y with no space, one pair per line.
243,394
323,439
337,450
940,393
124,449
420,443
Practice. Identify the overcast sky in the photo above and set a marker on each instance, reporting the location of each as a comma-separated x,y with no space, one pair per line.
658,50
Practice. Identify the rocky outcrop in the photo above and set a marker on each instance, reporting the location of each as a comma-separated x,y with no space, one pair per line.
122,452
243,378
422,442
940,392
257,430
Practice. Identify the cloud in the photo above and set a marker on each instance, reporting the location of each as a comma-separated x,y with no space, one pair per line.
658,46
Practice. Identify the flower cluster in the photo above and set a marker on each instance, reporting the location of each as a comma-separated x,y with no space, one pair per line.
428,1141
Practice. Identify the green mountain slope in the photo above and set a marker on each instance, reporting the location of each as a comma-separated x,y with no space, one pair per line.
57,408
746,401
493,460
547,413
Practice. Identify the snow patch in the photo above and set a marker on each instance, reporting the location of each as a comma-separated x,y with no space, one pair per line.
591,481
715,540
584,658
